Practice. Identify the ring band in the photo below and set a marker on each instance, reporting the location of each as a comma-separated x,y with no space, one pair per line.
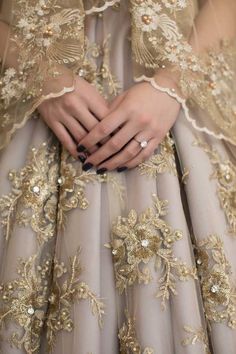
143,143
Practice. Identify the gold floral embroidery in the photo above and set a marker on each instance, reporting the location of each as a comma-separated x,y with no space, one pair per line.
218,293
159,41
195,336
128,338
37,187
24,300
45,36
162,161
225,174
63,296
34,194
138,239
73,181
100,75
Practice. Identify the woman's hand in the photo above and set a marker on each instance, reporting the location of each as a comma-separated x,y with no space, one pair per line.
143,113
74,114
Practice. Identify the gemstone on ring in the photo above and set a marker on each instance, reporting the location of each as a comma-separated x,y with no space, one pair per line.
143,144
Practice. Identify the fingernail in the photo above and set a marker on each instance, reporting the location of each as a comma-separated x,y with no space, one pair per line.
121,169
101,171
87,166
81,148
81,158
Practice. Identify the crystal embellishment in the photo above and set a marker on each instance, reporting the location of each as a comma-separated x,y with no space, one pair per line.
144,243
30,311
36,189
143,144
215,288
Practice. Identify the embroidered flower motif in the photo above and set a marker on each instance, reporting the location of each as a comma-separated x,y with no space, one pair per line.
136,240
42,194
218,292
225,174
24,301
147,16
216,288
162,161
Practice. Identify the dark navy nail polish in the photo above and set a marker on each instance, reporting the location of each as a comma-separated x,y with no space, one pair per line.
101,171
81,148
82,158
87,166
121,169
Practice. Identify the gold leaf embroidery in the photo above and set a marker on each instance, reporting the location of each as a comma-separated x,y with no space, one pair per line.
63,296
195,336
128,339
37,187
101,75
73,181
138,239
225,174
34,194
24,301
162,161
219,295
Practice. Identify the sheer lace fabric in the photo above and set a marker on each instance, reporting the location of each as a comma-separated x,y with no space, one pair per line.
195,41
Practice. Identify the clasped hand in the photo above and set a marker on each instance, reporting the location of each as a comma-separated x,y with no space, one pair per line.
107,136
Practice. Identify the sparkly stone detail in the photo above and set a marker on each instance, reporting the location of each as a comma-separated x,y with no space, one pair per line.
144,243
114,252
60,181
143,144
36,189
81,72
30,311
215,288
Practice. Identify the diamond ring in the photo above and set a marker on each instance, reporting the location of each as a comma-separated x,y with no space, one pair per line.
143,143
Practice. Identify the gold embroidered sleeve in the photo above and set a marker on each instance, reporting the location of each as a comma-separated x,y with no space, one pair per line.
41,49
194,43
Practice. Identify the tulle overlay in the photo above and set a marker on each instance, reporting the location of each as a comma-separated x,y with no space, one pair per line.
138,262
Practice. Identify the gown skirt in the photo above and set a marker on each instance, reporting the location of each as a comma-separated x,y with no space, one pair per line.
136,262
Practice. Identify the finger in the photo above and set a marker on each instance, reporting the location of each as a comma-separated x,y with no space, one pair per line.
117,101
143,155
98,105
65,138
74,127
103,129
86,120
82,114
132,149
116,143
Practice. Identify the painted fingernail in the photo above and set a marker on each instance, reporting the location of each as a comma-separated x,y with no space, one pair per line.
81,158
121,169
87,166
81,148
101,171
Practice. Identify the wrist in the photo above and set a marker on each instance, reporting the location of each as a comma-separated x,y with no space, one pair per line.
169,79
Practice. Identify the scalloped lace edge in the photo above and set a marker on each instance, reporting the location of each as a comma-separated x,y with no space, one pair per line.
102,8
43,98
185,108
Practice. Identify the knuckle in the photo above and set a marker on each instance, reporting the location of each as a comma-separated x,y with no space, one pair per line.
114,145
144,119
103,129
68,101
146,155
130,154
